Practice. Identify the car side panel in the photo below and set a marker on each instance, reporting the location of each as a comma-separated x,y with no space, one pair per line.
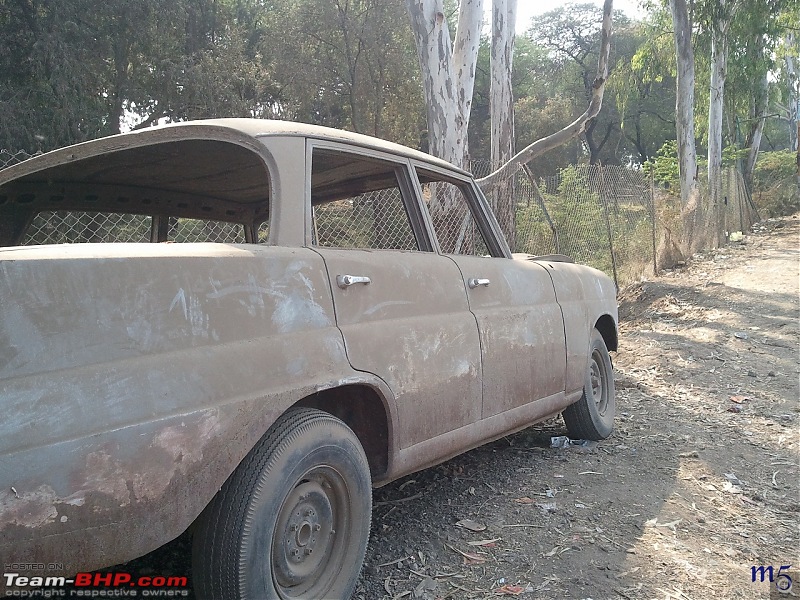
521,329
135,378
411,326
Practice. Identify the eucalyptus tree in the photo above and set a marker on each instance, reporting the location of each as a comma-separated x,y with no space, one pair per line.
571,35
760,65
684,101
722,13
501,110
448,72
577,126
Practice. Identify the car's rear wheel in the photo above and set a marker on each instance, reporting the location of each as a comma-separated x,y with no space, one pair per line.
293,520
592,417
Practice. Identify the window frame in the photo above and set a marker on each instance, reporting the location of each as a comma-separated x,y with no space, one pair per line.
476,203
402,168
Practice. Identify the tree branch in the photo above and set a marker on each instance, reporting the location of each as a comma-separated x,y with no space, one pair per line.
572,130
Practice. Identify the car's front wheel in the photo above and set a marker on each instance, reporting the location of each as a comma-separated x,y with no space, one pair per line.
293,520
592,417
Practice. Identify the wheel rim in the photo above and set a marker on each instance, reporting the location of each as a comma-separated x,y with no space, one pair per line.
597,376
310,533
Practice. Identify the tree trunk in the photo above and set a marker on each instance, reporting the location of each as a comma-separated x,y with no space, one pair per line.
760,107
448,72
692,213
719,66
794,94
572,130
501,104
684,104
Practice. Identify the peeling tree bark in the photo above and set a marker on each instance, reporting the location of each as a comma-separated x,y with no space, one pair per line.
684,104
501,108
760,108
794,99
448,72
691,213
572,130
719,68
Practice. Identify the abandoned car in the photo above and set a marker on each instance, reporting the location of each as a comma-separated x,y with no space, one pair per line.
296,315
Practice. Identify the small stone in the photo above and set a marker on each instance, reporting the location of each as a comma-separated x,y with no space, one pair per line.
771,374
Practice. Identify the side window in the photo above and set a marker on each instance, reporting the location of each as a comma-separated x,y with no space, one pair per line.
199,230
357,202
74,227
69,227
453,222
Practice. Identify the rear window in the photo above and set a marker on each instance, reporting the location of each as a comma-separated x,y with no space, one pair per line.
181,191
65,227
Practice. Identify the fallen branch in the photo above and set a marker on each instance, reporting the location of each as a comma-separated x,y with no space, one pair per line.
574,129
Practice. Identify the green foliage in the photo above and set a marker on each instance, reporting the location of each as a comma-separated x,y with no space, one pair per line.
731,156
664,166
772,166
529,85
642,86
570,37
75,70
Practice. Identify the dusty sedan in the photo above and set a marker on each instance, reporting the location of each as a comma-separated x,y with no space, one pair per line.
296,315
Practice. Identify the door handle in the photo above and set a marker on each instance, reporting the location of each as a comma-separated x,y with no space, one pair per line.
345,281
475,282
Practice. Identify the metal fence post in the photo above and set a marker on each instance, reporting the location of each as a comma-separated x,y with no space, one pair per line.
604,202
653,219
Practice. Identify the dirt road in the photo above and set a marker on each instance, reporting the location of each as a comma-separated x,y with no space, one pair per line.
698,484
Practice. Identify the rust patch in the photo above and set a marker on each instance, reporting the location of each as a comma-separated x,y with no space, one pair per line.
28,509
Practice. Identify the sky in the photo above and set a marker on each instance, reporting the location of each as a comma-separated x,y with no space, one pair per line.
527,9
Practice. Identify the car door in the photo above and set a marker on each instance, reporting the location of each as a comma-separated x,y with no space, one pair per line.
402,308
519,320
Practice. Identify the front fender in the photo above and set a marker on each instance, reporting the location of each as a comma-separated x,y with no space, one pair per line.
586,296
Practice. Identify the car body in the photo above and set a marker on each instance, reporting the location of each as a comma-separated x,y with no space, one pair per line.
351,276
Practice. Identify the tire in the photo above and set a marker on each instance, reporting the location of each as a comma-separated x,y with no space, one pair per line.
293,520
592,417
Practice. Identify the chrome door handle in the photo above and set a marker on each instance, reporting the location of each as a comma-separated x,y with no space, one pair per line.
345,281
475,282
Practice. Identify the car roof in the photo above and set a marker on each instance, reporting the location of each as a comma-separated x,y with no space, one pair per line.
229,130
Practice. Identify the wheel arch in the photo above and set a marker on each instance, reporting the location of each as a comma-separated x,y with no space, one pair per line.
608,329
364,410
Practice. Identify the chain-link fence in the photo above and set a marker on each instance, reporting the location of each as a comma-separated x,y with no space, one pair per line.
8,158
613,218
69,227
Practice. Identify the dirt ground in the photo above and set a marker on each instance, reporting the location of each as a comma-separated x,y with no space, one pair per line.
698,484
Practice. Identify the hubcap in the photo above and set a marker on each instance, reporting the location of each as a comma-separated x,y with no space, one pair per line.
306,547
